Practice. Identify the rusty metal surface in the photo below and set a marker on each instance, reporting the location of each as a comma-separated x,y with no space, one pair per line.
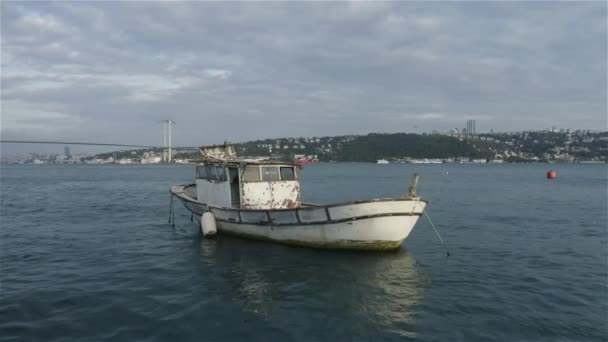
218,152
270,195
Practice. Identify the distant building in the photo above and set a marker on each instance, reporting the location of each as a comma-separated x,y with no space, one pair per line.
67,153
471,127
151,160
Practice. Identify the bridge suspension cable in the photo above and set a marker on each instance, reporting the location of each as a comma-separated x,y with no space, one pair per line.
72,143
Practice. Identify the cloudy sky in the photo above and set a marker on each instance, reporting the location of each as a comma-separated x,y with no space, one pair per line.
109,72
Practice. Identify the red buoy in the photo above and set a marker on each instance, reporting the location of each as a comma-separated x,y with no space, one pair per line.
551,174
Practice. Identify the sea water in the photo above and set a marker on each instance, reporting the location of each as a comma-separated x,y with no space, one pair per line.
87,255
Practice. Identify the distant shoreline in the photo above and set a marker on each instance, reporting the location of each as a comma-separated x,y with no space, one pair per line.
308,165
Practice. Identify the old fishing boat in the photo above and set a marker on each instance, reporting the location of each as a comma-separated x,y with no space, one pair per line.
262,200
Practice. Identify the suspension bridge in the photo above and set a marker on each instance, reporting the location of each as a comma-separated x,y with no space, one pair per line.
167,141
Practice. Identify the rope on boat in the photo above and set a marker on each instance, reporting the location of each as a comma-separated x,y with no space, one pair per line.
171,212
447,252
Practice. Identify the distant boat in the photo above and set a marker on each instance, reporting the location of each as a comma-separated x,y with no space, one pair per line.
306,161
261,200
426,161
382,161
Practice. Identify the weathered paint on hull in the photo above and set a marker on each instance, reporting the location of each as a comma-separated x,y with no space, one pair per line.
379,224
361,234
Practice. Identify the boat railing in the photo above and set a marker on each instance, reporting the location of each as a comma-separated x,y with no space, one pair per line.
273,216
306,214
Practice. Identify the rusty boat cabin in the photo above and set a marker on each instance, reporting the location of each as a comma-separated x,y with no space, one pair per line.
225,183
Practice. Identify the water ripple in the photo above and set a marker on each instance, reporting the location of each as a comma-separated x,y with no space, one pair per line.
86,254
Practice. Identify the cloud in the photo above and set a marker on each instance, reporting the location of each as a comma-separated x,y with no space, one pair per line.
29,121
218,73
243,71
430,116
37,22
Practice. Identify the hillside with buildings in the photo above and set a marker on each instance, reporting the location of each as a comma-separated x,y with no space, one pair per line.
532,146
455,146
366,148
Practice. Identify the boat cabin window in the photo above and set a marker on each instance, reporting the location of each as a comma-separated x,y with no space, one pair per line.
251,174
211,172
268,173
287,173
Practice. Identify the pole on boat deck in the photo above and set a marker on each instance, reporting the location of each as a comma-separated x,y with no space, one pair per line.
413,185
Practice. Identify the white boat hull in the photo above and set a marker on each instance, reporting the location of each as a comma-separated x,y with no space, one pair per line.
380,233
381,224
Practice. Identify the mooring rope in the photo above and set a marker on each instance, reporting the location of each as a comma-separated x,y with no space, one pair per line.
447,252
171,212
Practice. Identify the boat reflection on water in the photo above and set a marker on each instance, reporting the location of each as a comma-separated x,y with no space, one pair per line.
302,291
